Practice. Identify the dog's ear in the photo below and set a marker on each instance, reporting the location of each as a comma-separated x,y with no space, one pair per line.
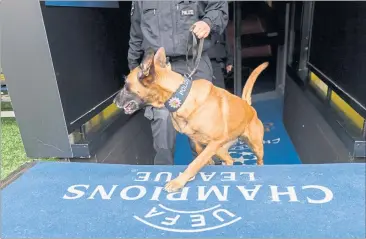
147,62
146,68
160,58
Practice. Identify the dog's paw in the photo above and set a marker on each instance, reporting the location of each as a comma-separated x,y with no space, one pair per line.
174,185
228,163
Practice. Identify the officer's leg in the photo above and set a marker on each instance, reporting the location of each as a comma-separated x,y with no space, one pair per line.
218,75
163,133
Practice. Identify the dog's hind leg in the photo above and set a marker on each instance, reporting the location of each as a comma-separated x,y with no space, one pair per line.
224,154
254,138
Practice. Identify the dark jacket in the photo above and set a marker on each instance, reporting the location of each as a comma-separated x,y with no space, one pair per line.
166,24
220,49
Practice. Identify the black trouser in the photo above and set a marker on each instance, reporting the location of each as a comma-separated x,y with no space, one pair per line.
218,74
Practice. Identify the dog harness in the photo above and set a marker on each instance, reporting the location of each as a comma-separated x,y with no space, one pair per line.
179,96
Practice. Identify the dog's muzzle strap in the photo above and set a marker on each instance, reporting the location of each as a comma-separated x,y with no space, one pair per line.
179,96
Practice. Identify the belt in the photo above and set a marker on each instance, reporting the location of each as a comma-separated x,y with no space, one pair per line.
180,58
218,60
176,58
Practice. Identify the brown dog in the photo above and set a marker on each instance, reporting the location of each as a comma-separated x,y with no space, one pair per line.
212,117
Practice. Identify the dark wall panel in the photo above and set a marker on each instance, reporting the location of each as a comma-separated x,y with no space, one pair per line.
313,138
88,48
338,46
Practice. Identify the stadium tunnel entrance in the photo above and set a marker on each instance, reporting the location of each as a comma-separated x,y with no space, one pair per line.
81,59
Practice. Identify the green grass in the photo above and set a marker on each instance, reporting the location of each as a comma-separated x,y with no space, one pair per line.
13,154
12,150
5,106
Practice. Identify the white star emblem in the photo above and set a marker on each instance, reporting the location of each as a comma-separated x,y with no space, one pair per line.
174,102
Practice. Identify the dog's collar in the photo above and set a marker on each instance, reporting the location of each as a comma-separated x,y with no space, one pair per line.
179,96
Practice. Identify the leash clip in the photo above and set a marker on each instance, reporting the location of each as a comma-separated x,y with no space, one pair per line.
189,77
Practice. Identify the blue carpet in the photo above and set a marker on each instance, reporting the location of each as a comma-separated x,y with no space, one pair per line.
47,203
278,148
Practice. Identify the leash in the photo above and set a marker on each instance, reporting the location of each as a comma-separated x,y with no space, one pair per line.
196,53
180,95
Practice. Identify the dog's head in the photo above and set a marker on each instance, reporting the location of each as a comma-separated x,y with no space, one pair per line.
146,84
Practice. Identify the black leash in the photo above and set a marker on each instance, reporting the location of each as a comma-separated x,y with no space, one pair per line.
196,53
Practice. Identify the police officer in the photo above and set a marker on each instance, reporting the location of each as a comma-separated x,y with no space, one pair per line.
221,58
166,24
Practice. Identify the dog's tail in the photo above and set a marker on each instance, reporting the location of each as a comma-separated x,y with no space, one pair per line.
247,90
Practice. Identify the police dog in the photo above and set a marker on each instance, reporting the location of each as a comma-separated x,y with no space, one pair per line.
211,117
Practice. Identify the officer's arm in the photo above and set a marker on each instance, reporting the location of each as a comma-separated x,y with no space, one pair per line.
216,15
135,44
229,53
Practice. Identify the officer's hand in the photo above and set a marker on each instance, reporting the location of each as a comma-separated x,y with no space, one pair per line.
229,68
201,29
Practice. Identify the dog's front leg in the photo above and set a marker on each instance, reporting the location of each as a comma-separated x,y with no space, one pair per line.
194,167
199,149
